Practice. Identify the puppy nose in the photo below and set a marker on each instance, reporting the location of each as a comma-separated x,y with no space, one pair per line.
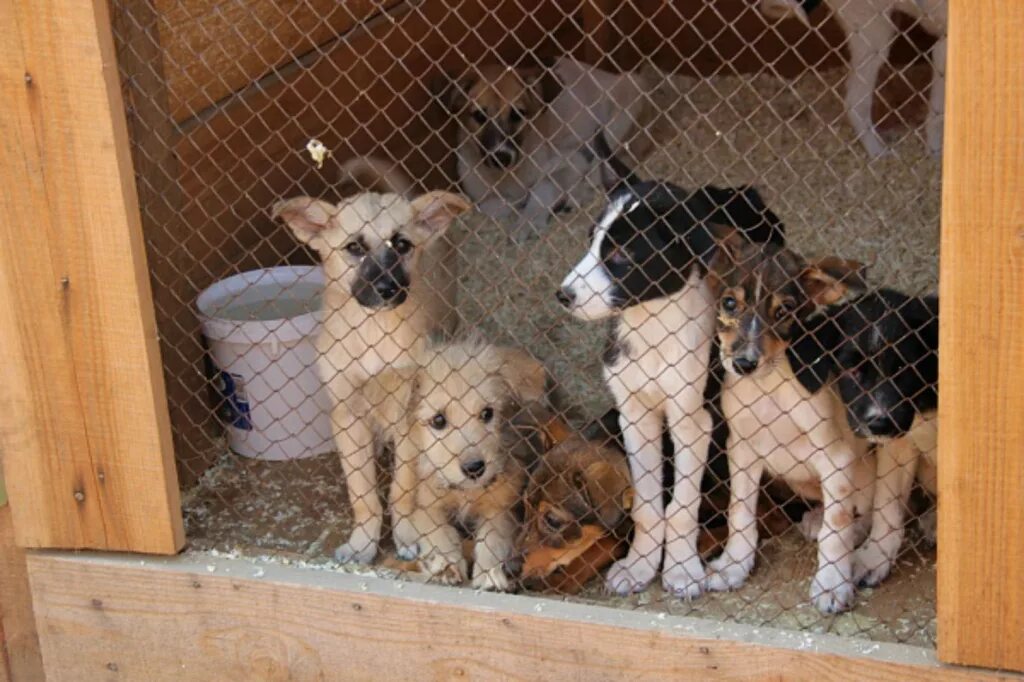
744,365
474,469
879,423
503,157
565,297
387,288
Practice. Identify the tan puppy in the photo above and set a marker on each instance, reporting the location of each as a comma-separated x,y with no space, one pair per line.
390,285
764,295
526,135
473,461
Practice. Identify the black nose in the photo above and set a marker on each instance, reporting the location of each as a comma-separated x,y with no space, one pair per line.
880,425
474,469
386,288
565,297
503,158
744,365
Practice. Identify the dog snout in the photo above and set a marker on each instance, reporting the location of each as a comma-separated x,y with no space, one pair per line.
565,296
387,288
744,365
474,469
503,158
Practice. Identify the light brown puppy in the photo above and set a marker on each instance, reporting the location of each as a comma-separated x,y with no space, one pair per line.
472,460
526,135
390,285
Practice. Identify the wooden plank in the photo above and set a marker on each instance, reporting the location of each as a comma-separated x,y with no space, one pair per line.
214,48
18,639
981,445
85,433
211,619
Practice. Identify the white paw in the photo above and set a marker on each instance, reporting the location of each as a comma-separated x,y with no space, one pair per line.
928,524
445,571
875,146
810,523
831,590
630,574
872,562
406,539
361,548
726,573
684,580
493,579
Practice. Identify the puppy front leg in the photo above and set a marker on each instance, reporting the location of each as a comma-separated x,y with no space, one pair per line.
937,97
355,443
493,547
897,463
403,500
869,48
690,425
730,569
641,431
440,545
832,588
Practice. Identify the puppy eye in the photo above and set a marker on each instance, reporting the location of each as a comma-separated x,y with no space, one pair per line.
480,117
785,308
401,245
515,115
438,422
553,521
356,249
729,304
618,257
486,414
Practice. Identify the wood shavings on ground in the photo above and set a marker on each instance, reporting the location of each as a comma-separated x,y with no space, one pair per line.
790,139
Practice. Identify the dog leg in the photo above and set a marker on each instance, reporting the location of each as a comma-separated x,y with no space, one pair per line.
730,570
440,546
832,588
897,462
494,544
869,47
355,443
937,110
641,431
403,501
683,574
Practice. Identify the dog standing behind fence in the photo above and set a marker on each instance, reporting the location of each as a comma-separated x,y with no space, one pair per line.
385,295
870,29
881,352
524,135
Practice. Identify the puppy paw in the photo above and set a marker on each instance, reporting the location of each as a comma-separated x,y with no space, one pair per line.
360,548
684,580
406,539
872,563
493,579
726,573
810,523
928,524
442,570
831,590
875,146
629,575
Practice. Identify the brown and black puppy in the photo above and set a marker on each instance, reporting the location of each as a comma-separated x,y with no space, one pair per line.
525,135
764,296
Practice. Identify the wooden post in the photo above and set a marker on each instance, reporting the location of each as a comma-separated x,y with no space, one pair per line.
84,425
981,406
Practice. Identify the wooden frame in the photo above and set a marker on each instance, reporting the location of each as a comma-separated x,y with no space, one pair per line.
88,457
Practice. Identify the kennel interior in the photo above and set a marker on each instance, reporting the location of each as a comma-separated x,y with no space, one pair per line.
742,101
222,97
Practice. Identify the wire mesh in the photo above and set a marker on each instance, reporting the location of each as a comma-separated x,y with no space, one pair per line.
573,350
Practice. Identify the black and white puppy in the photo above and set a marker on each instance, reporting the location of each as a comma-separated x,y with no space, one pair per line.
645,266
881,353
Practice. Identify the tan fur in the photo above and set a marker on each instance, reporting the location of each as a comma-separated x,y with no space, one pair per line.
557,126
356,342
460,381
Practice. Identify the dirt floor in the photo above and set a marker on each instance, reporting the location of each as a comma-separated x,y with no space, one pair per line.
788,138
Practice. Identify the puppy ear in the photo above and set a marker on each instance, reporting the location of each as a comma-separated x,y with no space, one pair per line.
390,393
436,210
307,217
608,489
830,280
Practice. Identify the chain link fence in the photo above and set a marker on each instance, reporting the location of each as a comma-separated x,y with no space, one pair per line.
619,301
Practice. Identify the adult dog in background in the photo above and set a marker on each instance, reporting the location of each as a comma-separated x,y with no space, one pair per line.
870,30
525,135
388,291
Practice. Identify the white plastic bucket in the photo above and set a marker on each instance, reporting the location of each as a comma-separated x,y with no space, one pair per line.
260,326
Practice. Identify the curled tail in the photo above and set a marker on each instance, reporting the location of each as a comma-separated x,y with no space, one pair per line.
370,174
